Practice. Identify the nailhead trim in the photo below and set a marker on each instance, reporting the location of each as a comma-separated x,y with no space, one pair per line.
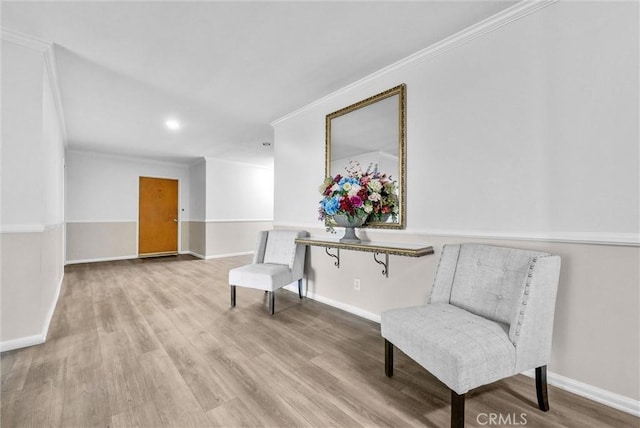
525,294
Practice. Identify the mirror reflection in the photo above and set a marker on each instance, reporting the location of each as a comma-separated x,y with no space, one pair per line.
371,132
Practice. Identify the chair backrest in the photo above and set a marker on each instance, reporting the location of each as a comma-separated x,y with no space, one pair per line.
279,247
507,285
485,280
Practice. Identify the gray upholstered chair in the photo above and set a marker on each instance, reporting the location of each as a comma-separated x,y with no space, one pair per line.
278,261
489,316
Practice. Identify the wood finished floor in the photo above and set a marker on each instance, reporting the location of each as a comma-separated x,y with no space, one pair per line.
153,343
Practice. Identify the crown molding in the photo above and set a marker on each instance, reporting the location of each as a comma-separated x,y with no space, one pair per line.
52,74
46,48
240,163
126,158
240,220
493,23
25,40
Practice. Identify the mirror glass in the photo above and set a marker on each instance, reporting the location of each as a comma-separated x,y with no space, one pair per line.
371,132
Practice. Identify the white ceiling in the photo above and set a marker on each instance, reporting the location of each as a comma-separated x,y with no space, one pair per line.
224,69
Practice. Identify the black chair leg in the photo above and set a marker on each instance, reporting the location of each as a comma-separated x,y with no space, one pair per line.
541,388
272,303
457,410
300,288
233,295
388,358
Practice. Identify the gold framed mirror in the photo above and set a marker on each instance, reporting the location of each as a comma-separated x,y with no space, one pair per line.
371,132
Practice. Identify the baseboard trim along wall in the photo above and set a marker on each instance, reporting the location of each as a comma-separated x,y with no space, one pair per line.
36,339
22,342
101,259
593,393
221,256
217,256
52,308
336,304
582,389
194,254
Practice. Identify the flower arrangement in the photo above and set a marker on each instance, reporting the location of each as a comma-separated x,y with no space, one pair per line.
369,194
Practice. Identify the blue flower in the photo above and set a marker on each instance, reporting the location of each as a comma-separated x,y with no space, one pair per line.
350,180
330,205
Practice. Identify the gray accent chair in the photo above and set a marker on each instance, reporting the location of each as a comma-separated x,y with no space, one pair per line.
278,261
489,316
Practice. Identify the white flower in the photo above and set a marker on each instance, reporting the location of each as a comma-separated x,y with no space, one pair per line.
346,187
355,188
368,208
335,187
374,197
375,186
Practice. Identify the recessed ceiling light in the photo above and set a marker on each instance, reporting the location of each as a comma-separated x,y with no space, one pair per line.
172,124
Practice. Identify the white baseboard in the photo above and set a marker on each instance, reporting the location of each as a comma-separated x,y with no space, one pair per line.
336,304
590,392
36,339
198,255
602,396
135,256
221,256
22,342
52,308
101,259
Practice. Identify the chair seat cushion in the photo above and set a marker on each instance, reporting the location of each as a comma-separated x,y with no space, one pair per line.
263,276
461,349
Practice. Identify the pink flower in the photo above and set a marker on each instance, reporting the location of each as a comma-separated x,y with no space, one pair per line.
356,201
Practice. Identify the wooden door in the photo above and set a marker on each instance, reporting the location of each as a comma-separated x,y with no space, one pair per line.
157,217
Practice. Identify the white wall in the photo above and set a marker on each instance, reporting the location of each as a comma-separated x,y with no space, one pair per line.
215,197
528,131
32,231
238,191
52,154
52,202
239,204
105,187
21,135
102,203
198,190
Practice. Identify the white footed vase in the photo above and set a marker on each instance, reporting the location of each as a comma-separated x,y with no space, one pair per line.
349,225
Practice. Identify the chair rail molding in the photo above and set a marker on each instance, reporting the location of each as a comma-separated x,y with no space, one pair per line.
29,228
22,228
595,238
627,239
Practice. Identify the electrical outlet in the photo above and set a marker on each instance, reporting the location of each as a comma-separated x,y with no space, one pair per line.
356,284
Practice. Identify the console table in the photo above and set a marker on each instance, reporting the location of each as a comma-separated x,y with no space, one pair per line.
377,248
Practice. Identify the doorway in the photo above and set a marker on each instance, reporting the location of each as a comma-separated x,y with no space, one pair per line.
157,217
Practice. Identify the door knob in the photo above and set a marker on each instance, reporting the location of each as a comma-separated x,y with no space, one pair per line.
175,220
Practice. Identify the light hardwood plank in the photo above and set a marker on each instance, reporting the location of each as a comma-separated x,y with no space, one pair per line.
154,343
